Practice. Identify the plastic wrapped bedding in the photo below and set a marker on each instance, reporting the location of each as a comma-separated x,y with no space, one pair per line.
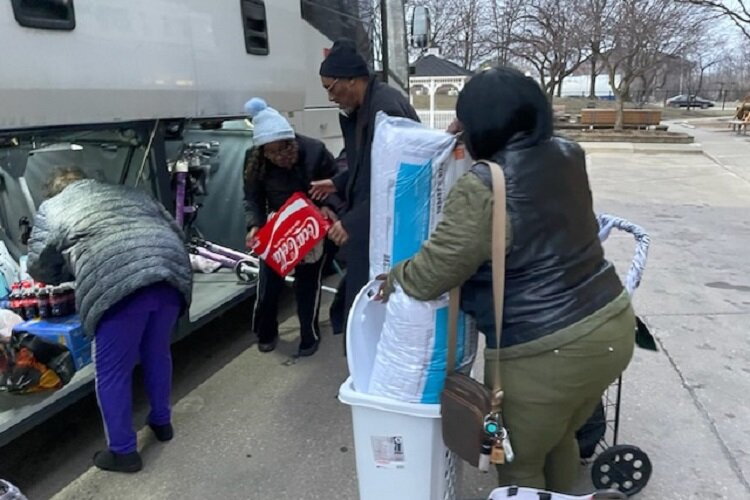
413,168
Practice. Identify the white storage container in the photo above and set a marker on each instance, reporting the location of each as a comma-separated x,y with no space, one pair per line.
399,449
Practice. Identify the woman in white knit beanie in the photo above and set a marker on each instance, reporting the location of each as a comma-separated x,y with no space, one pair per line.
279,164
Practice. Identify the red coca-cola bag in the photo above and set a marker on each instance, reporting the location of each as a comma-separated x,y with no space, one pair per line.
290,234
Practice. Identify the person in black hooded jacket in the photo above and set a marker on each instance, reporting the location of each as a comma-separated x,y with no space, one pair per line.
345,76
568,325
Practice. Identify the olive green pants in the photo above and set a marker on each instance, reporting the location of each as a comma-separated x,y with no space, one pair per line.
549,396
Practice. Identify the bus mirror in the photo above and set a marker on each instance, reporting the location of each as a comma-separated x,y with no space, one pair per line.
420,28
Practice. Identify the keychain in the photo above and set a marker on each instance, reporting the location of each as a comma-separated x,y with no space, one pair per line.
498,454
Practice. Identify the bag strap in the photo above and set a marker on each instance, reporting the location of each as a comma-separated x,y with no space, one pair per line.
498,278
454,299
498,269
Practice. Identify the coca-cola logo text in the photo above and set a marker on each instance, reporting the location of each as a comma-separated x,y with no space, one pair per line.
287,251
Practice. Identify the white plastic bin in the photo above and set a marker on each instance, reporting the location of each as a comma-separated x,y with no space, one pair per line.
399,446
399,449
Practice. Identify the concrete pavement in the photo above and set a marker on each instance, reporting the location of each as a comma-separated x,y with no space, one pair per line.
267,427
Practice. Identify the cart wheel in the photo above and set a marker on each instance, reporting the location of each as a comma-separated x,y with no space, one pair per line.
245,271
623,467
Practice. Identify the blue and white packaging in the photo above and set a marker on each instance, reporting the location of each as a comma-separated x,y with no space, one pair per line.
413,169
411,355
9,270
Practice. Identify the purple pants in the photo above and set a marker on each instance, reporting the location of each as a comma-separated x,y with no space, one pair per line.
139,326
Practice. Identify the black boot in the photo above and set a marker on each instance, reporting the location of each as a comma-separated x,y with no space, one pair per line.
162,432
308,349
268,346
108,460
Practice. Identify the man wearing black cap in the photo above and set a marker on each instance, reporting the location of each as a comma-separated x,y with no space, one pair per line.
347,79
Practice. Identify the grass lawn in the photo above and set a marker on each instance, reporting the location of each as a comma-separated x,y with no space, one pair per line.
443,102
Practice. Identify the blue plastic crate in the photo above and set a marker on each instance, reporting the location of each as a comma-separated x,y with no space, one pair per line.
82,357
66,331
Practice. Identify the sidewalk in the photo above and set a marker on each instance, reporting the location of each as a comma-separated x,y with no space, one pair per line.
726,148
265,427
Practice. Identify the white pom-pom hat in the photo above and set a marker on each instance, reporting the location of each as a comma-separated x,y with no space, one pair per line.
268,124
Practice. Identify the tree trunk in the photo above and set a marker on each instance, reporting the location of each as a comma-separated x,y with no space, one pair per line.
542,82
559,87
621,92
619,118
592,85
700,83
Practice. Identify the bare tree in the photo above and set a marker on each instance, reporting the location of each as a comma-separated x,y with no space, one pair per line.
736,10
597,15
503,19
703,62
551,40
640,35
442,19
457,29
464,41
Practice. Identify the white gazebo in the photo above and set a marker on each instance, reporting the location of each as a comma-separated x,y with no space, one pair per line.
435,76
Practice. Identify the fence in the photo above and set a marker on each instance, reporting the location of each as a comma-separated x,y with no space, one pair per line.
722,98
438,119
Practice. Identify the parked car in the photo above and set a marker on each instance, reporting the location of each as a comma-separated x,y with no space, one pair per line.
681,101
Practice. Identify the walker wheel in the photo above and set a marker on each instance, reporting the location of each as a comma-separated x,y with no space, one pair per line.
624,467
245,271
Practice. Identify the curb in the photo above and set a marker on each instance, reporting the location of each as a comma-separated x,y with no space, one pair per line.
641,148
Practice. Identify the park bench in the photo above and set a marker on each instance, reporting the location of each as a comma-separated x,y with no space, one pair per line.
558,111
632,118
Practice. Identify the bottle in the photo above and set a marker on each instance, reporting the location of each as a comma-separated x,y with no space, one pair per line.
30,307
57,302
42,298
15,299
69,299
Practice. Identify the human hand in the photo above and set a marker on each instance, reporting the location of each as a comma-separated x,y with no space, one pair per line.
338,234
455,127
250,237
381,296
319,190
329,214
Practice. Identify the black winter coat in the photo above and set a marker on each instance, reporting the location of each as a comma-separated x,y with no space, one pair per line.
358,129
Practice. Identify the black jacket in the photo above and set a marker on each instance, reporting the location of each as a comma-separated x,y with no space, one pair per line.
358,130
278,184
556,273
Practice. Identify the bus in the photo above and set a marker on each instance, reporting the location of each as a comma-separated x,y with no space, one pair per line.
118,88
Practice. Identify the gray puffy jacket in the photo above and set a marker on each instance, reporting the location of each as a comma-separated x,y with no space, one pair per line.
113,240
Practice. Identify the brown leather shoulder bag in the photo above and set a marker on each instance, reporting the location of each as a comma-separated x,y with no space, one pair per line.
464,401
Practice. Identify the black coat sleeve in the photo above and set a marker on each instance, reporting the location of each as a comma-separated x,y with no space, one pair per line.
325,168
255,202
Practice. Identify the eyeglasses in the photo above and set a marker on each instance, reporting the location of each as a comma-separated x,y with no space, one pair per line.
283,153
282,148
329,88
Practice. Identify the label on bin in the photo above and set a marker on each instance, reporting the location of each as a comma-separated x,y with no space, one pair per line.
388,452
